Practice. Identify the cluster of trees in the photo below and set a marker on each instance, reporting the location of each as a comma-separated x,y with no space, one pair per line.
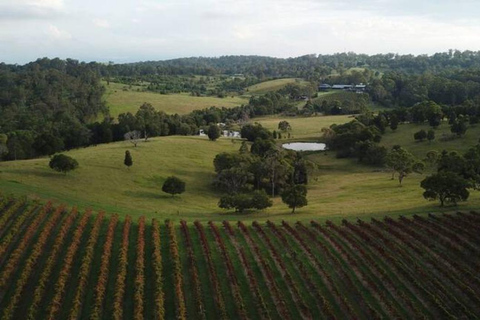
46,105
358,138
310,66
456,174
248,176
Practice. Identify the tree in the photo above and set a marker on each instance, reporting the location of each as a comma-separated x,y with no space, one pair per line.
128,159
213,132
430,135
295,196
393,122
459,127
148,120
63,163
232,180
446,186
403,162
133,137
420,135
3,145
241,201
173,185
284,126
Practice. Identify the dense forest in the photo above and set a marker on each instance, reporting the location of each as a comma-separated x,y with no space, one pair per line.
51,105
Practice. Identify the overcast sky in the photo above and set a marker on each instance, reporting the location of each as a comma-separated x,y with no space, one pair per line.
129,31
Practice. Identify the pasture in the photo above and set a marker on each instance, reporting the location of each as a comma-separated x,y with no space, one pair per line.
340,188
122,98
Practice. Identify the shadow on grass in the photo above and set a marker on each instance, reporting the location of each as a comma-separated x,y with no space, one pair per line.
43,174
151,195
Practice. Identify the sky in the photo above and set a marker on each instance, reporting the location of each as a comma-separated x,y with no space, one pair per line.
139,30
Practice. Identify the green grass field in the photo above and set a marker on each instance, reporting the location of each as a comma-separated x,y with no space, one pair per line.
120,101
273,85
341,188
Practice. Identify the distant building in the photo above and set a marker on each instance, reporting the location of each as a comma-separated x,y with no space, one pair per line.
324,87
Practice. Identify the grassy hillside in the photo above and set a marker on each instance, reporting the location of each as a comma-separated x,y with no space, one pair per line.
273,85
120,100
303,127
341,188
59,263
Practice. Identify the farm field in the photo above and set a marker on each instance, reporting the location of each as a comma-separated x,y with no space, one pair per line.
120,101
273,85
59,262
339,189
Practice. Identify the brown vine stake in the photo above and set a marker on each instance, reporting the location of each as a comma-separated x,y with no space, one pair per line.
122,272
51,260
192,262
85,268
104,269
177,272
65,272
220,304
37,250
140,271
157,272
242,312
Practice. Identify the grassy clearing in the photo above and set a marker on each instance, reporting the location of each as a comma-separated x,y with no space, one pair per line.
273,85
303,127
120,101
341,188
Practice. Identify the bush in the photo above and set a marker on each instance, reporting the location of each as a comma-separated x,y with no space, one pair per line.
241,201
173,185
63,163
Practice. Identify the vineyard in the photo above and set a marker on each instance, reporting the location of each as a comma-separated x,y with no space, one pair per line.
60,263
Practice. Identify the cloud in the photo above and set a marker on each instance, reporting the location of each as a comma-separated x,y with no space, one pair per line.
57,34
101,23
33,9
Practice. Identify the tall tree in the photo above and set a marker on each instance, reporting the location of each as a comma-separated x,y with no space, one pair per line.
213,132
128,159
295,196
446,187
402,162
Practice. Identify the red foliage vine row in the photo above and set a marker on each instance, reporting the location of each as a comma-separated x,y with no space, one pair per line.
342,273
102,280
31,260
139,271
17,225
278,298
157,273
117,313
325,305
49,264
14,258
402,269
370,262
85,268
254,287
181,311
65,273
217,293
295,292
343,303
237,296
192,262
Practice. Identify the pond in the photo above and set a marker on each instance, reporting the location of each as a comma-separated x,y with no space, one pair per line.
305,146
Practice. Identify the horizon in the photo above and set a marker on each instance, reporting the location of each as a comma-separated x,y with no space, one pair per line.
149,30
233,55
